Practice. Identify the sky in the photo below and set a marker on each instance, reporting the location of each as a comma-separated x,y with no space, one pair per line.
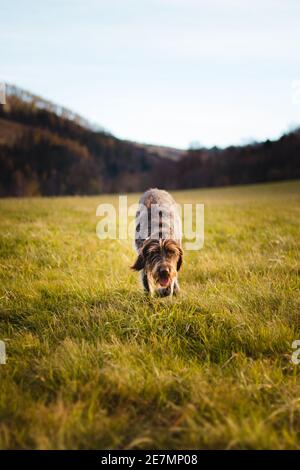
168,72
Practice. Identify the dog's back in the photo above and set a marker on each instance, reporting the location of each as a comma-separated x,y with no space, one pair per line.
158,215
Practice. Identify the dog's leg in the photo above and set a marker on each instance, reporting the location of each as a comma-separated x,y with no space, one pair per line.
176,288
145,281
147,284
151,285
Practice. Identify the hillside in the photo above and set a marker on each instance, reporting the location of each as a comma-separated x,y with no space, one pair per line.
49,150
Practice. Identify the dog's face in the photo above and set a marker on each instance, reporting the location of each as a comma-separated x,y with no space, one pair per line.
161,260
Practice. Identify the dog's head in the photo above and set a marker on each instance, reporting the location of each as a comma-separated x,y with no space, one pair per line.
161,260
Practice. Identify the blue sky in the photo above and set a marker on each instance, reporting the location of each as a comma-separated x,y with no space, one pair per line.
167,72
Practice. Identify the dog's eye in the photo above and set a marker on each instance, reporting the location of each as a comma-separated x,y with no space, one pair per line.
153,256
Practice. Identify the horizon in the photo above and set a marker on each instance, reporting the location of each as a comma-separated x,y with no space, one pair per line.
213,73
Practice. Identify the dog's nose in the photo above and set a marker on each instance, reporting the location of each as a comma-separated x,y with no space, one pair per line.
164,272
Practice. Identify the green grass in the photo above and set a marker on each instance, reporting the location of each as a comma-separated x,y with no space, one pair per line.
94,363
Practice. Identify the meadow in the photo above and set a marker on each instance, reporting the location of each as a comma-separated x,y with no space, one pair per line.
93,362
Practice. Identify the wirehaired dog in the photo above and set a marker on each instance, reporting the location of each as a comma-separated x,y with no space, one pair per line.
158,237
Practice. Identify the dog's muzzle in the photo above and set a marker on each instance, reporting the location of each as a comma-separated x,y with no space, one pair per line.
164,278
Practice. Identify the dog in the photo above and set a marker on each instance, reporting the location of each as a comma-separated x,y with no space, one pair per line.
158,236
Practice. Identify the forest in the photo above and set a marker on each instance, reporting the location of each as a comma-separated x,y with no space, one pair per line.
48,150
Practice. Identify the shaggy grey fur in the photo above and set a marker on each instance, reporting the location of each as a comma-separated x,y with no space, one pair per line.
157,218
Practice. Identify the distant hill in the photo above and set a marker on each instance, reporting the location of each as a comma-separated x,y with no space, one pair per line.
170,153
48,150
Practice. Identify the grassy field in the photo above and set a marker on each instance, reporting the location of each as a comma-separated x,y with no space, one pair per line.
94,363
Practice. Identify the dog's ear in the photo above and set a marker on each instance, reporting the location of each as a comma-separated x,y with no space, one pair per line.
139,262
179,262
141,259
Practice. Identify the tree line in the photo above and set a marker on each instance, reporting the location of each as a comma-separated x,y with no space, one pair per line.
49,151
